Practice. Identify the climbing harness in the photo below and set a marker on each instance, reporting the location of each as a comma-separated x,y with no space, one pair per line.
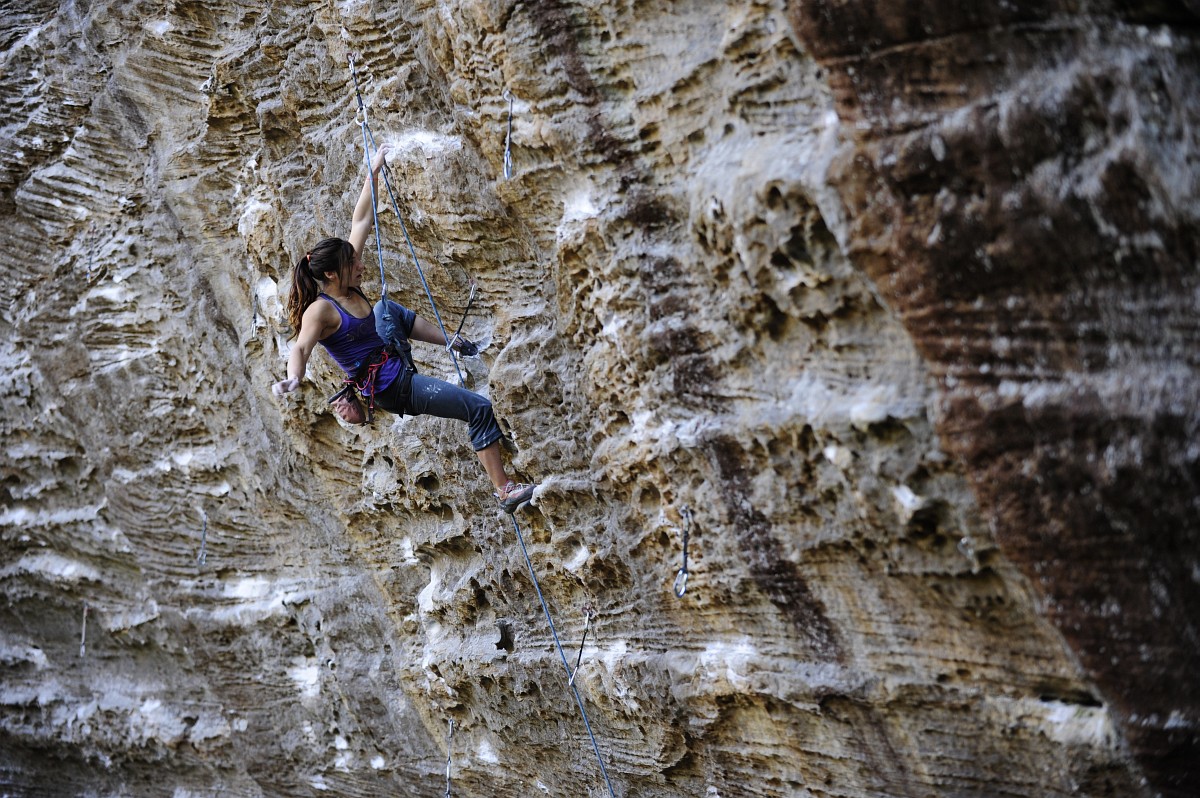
83,633
553,633
366,385
348,404
368,148
449,740
588,614
682,577
508,138
203,538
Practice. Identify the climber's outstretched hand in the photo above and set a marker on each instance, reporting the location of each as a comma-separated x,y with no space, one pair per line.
284,387
380,159
464,347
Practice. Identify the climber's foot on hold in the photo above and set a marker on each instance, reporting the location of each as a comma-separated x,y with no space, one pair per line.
515,496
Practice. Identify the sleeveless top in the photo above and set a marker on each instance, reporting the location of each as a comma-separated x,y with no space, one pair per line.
353,344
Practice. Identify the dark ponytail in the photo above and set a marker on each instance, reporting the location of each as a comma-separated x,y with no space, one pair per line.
331,255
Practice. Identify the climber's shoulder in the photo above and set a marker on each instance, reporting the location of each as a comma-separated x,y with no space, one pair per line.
320,320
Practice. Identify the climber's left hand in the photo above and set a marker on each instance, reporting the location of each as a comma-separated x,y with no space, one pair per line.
464,347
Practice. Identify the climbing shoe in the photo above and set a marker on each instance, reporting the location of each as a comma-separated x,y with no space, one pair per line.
515,496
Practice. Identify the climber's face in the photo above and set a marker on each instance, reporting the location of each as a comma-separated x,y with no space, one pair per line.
356,272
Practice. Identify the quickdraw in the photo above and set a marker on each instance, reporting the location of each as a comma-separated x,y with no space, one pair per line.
681,577
458,332
508,138
588,614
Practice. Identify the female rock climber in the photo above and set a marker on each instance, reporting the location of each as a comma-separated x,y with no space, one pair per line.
326,306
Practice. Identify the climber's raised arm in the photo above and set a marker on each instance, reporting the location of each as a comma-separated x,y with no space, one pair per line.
363,221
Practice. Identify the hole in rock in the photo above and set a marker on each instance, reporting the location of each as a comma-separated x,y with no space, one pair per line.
506,636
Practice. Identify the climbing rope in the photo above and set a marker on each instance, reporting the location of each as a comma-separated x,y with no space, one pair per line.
571,682
368,148
508,138
682,576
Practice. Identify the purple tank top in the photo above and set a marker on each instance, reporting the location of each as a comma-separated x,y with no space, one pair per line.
354,342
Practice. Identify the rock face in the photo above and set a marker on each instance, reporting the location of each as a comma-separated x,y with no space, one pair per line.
891,307
1024,192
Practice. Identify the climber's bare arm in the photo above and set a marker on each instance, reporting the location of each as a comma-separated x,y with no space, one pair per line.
429,333
320,321
363,220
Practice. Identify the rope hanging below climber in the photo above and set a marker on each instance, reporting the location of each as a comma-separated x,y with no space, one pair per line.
563,655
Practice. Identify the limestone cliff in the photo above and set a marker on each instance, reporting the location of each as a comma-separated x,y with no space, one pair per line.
898,299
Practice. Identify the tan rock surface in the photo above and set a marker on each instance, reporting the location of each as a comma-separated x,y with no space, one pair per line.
682,306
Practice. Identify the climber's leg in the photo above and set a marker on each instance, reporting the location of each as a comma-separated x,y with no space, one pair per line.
493,464
439,398
394,323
